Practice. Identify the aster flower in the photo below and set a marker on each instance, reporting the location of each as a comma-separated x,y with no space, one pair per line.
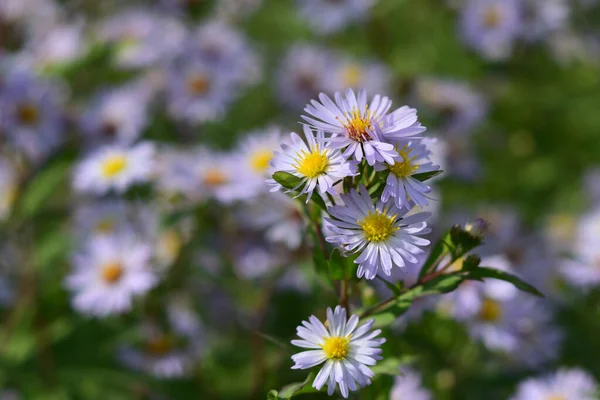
326,16
114,167
491,26
303,73
117,115
566,383
198,92
346,350
278,215
459,106
408,385
371,75
226,50
382,234
362,129
143,38
318,166
583,269
31,114
400,183
168,350
109,273
542,17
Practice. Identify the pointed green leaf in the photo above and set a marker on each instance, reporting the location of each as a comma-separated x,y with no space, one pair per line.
427,175
288,391
293,183
486,272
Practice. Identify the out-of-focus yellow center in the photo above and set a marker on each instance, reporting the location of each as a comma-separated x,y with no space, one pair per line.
171,243
28,114
259,161
490,311
378,226
214,177
336,348
114,165
352,75
312,164
160,345
358,125
556,397
492,16
404,168
198,84
112,272
105,225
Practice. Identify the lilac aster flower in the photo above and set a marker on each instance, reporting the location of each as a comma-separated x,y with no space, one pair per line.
381,234
303,74
117,115
313,161
542,17
567,384
400,183
328,16
346,349
491,26
363,129
30,114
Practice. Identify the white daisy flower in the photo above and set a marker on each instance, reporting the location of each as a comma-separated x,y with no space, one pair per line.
346,350
382,234
583,270
361,128
114,167
109,273
313,161
400,183
564,384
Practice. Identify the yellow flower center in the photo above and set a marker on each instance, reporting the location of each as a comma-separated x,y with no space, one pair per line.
312,164
336,348
159,346
352,75
105,225
492,16
357,125
198,84
378,226
28,114
112,272
214,177
490,311
114,165
404,168
259,161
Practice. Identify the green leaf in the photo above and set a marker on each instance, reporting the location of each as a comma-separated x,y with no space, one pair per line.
288,391
393,288
293,183
384,319
486,272
272,395
337,265
391,365
442,248
42,187
427,175
441,284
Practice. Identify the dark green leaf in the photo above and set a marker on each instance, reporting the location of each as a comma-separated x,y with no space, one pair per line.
427,175
288,391
293,183
42,187
337,265
486,272
440,250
